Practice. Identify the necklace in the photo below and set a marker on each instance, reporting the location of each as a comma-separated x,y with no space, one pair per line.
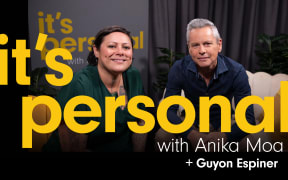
118,88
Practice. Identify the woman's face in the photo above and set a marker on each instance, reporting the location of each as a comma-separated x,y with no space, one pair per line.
115,53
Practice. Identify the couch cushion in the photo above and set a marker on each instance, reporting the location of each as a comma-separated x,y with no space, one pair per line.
263,84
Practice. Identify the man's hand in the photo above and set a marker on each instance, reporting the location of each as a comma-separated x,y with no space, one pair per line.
194,137
214,136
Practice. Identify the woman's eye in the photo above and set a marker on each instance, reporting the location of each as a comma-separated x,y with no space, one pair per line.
111,46
127,47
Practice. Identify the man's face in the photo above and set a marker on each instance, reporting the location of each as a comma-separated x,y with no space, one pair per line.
204,48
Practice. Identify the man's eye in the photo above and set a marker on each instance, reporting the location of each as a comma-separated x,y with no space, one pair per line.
207,44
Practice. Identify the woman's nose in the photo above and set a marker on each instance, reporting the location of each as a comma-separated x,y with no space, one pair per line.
120,51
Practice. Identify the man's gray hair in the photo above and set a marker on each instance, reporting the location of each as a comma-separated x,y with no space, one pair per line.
199,23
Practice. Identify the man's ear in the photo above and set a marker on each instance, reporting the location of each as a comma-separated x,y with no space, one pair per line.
220,45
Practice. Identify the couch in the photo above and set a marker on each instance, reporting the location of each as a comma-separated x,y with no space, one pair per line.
41,115
263,85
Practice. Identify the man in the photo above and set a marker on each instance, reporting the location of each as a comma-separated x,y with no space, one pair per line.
205,72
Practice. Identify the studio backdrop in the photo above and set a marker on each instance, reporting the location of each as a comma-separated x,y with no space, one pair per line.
74,24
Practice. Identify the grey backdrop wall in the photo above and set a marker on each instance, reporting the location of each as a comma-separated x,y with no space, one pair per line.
73,24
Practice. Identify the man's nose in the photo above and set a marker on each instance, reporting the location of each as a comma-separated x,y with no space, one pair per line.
202,50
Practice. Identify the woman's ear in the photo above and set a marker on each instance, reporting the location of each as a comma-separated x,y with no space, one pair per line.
96,52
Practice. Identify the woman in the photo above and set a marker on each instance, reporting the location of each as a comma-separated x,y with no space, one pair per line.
109,73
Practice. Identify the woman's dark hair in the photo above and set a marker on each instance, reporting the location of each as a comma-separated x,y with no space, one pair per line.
92,60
